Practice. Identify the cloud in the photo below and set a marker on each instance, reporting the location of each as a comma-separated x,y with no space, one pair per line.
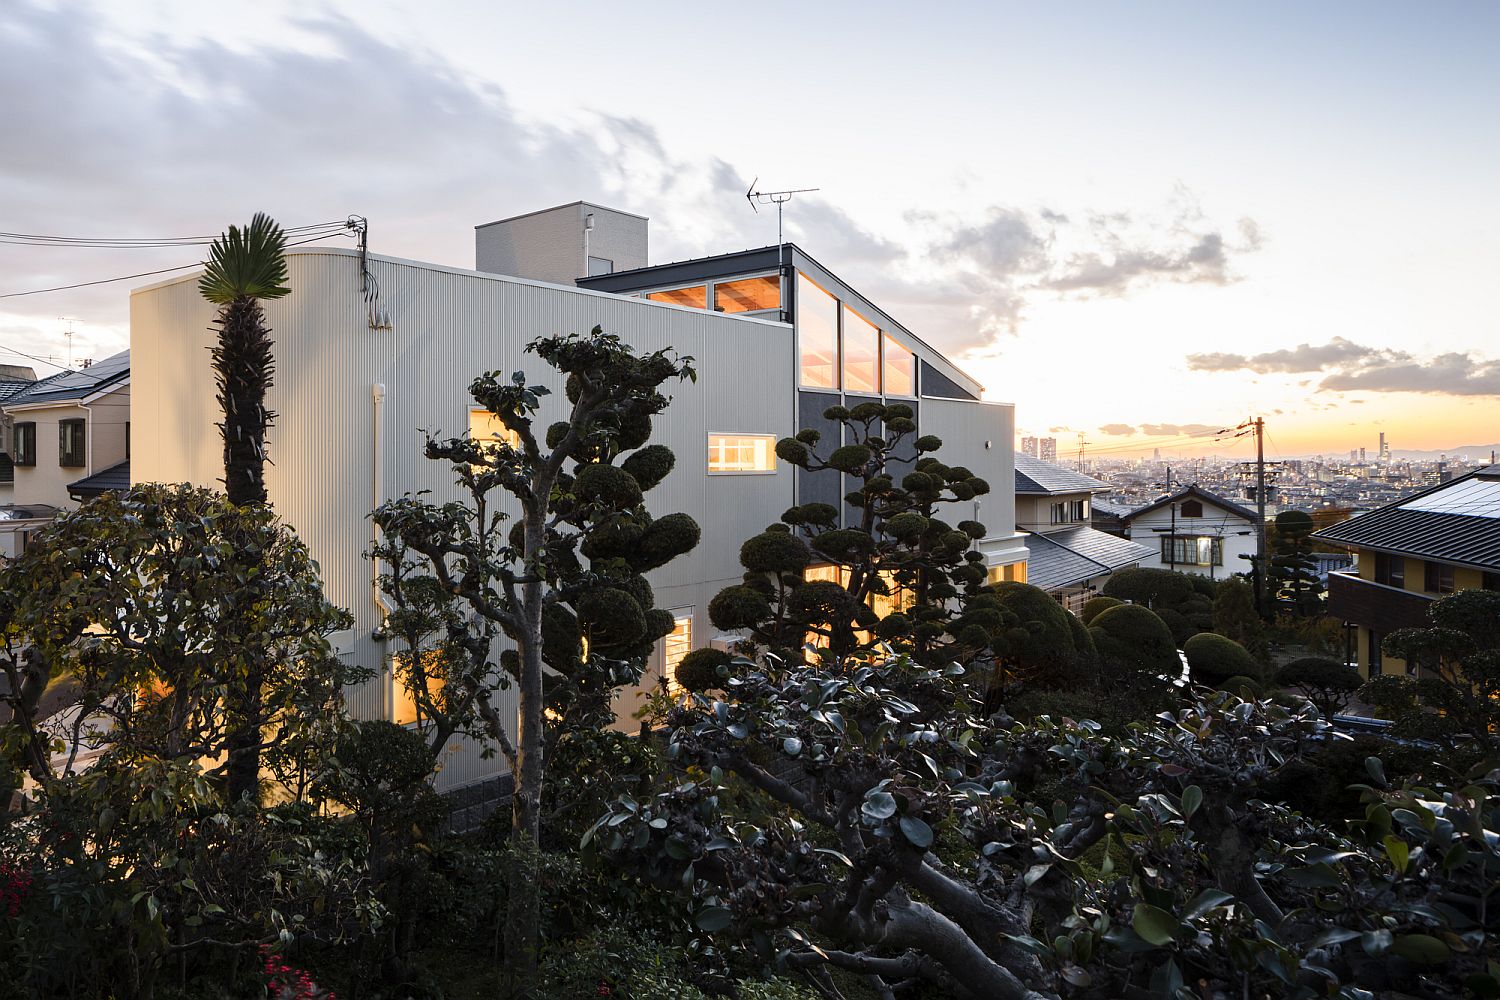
1059,430
1178,430
1116,429
160,136
1302,358
1348,366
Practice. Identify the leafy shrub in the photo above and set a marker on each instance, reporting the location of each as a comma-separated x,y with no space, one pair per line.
1182,630
1134,642
1213,659
1149,586
1097,606
1241,685
1328,684
703,670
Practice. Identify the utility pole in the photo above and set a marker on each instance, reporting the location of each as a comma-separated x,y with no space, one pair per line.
1172,535
1259,424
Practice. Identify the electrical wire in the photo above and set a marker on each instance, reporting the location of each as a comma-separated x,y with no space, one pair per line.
150,242
145,274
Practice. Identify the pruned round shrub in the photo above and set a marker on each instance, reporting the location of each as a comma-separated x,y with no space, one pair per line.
919,482
1039,642
612,617
1132,640
850,458
775,552
866,411
972,528
606,484
844,544
665,539
1213,659
929,442
650,465
906,526
699,670
738,607
1315,671
793,452
1150,586
822,601
1182,629
1095,606
1246,687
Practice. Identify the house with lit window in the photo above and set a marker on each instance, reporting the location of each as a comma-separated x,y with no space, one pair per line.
1066,555
372,351
63,431
1410,553
1192,530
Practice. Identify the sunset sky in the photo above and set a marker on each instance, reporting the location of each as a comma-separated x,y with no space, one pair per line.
1135,221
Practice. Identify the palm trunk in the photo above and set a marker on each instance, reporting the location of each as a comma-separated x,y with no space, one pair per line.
243,365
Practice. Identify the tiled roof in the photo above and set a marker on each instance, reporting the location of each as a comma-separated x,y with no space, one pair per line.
9,388
1458,522
116,477
1207,496
68,385
1073,555
1111,509
1035,476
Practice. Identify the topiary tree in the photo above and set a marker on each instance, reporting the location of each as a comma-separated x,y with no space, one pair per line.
1149,586
1045,646
704,669
1293,575
1235,617
1328,684
1213,659
1451,692
1135,646
898,554
1095,606
460,577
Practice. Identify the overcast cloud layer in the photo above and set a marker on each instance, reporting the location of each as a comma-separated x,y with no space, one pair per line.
1348,366
170,140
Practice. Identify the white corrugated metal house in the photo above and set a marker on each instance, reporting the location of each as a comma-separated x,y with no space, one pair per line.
358,382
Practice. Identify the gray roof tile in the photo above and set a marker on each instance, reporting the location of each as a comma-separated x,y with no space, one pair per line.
68,385
1468,533
1063,558
1035,476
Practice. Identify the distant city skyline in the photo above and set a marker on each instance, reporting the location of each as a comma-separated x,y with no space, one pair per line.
1142,224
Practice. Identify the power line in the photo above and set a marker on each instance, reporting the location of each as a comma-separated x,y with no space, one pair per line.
146,242
32,357
140,274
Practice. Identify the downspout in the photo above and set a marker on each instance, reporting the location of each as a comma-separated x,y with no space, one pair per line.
377,497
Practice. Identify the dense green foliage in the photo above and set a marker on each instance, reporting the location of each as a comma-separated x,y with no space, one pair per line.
1213,659
1235,617
1329,684
1135,646
1293,578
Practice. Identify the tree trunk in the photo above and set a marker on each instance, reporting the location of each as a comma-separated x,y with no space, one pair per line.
523,904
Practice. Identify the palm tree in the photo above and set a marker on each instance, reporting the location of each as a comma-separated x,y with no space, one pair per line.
245,266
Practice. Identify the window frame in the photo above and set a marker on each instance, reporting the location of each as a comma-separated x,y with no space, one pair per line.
713,294
1385,562
1437,578
668,668
886,339
845,310
26,459
1215,550
708,451
64,453
705,284
836,364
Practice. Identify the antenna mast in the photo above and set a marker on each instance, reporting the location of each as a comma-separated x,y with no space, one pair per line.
68,336
777,198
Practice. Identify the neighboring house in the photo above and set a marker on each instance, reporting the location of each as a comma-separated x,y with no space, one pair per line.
63,429
1194,531
1409,554
13,379
360,376
1067,557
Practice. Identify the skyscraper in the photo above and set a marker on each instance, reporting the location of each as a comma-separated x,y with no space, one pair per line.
1028,447
1385,450
1049,449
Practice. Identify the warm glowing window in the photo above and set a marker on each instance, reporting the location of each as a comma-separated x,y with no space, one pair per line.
817,335
899,598
861,353
900,370
748,294
741,453
695,297
485,427
677,644
403,701
1014,573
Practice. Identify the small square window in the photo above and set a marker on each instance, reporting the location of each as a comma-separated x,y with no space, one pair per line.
741,453
695,297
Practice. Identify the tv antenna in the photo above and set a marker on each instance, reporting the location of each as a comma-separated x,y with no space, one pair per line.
68,335
777,198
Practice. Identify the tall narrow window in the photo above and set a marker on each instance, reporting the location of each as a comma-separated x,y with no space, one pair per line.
25,450
861,353
1390,570
817,335
1437,578
677,644
70,443
695,297
1375,661
741,453
404,708
900,369
748,294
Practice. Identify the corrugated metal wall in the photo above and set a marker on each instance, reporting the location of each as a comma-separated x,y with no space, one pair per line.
448,327
981,437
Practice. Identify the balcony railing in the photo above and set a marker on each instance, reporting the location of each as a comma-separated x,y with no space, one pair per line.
1375,605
